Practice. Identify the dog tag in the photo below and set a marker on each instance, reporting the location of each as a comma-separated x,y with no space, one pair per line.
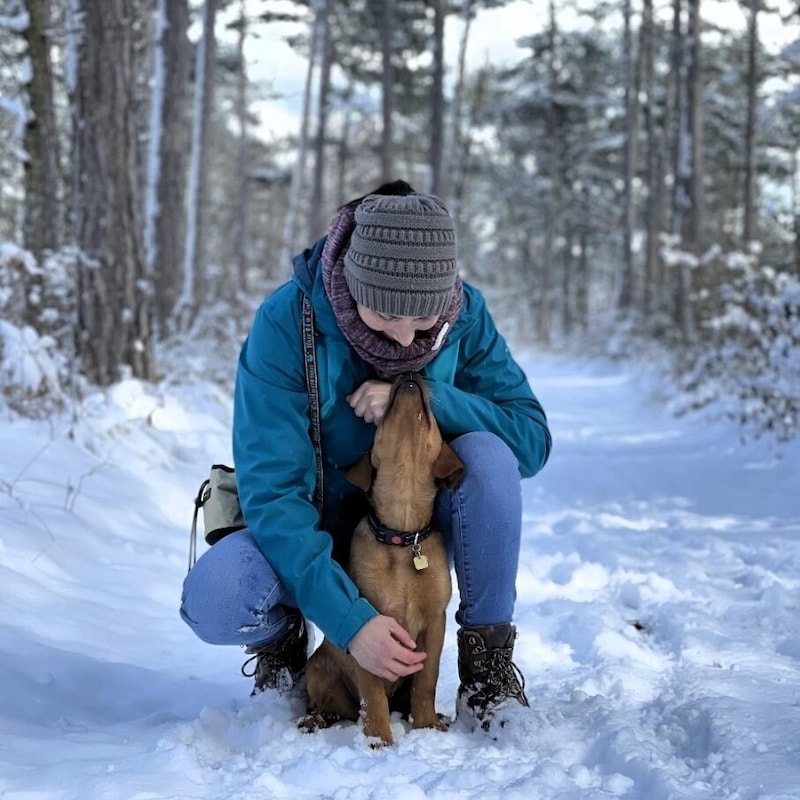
420,562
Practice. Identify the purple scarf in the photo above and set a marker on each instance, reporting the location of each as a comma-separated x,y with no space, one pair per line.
389,358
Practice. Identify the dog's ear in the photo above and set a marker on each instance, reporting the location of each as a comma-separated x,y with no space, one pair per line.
360,474
447,469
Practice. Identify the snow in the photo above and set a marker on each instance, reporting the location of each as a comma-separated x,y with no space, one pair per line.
27,361
658,598
16,23
17,107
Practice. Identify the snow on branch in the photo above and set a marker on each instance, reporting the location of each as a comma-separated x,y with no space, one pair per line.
15,23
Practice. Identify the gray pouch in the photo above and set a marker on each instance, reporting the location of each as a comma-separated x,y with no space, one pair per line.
219,498
222,513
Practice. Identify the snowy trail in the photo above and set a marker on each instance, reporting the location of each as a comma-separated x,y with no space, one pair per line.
658,609
675,528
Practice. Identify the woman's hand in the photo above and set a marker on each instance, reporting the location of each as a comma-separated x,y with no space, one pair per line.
384,648
369,401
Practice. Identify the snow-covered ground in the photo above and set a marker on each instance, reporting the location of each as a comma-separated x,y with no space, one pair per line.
659,618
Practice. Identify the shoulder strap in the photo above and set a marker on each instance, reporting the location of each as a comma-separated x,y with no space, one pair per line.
312,384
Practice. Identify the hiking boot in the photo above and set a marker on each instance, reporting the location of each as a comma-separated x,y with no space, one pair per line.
279,664
491,683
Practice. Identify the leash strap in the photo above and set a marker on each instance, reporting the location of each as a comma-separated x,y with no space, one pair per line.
202,495
312,385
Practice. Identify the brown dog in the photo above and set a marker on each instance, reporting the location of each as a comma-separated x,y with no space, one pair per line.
398,563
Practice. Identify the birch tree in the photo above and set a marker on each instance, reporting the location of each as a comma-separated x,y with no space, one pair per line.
205,57
297,188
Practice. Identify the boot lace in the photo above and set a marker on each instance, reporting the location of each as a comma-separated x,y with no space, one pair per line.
501,678
277,665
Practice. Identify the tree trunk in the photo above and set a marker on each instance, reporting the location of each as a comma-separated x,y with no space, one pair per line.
387,91
242,157
437,98
692,231
165,205
196,227
693,221
625,289
297,188
750,176
42,179
456,155
583,273
568,279
796,209
113,309
654,178
552,171
343,160
316,224
683,218
680,135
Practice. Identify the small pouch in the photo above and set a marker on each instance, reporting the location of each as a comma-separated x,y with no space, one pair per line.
218,496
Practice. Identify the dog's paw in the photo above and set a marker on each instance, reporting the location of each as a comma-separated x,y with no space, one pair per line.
436,722
440,724
316,720
376,741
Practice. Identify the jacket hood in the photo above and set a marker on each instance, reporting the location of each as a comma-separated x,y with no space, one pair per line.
306,264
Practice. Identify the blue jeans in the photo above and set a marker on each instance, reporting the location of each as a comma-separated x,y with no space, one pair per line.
232,595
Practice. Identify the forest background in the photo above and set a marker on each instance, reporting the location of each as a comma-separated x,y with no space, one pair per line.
626,179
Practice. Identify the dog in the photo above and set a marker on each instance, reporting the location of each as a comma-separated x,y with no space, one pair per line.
399,564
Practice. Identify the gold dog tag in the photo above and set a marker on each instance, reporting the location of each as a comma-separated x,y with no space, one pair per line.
420,561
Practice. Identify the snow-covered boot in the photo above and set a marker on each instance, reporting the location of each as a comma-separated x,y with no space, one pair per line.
279,664
490,681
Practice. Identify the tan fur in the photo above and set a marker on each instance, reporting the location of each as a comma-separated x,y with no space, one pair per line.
410,463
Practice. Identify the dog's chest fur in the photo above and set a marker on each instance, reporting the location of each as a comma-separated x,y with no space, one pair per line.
386,576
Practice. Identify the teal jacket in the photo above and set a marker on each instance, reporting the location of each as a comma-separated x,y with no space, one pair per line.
474,382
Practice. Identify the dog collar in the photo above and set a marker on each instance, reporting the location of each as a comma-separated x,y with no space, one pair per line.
400,538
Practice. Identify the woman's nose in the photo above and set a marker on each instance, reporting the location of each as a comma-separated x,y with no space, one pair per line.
403,334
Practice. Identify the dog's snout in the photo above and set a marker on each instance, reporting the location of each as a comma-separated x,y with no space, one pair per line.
408,382
410,387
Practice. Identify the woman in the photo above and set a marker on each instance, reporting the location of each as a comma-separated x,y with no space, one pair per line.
387,300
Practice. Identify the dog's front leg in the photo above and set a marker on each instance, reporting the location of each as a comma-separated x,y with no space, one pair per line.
374,707
423,687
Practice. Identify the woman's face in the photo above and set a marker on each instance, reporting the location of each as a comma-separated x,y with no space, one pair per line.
399,329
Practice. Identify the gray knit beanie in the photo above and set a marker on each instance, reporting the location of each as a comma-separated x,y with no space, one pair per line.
402,255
